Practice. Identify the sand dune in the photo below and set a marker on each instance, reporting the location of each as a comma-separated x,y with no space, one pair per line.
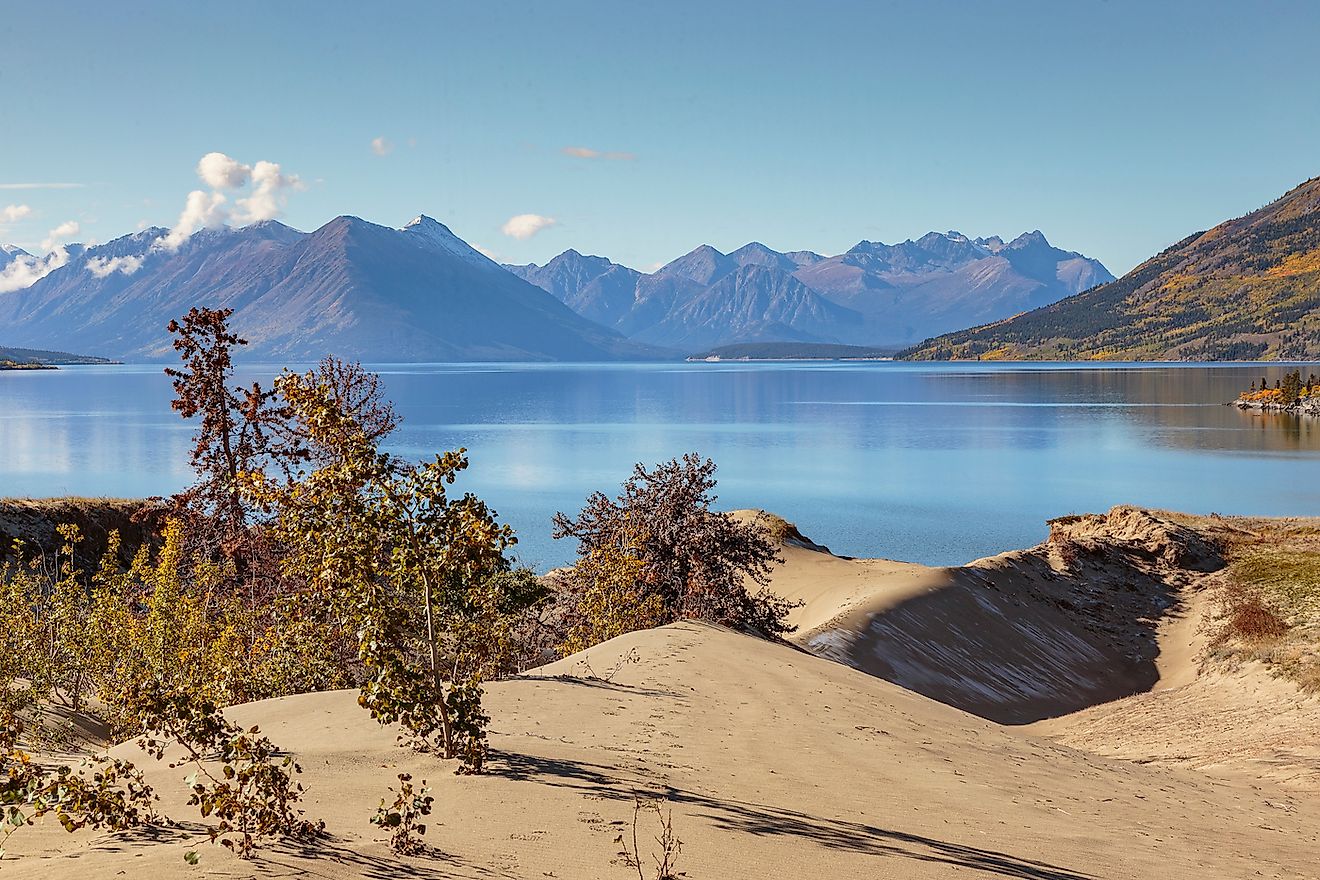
1014,638
772,760
1104,651
779,763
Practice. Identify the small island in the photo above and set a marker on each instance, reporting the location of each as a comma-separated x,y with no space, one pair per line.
1292,395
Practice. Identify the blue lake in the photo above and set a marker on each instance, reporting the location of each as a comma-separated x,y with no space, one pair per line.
930,463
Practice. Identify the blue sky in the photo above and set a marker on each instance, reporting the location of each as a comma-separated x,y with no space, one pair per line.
1114,127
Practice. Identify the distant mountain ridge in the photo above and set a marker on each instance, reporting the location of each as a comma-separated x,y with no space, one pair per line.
352,288
1248,289
874,294
421,293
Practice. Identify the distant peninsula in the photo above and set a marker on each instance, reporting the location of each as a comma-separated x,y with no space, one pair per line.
37,359
793,351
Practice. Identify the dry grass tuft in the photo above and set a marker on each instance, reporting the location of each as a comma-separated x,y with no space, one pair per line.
1250,619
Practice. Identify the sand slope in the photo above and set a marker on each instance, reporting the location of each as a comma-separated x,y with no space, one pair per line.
1015,638
1106,646
775,762
1218,718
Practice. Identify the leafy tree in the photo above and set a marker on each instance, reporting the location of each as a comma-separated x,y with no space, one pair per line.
1291,388
415,572
233,432
658,553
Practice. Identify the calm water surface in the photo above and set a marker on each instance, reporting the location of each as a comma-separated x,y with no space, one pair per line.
930,463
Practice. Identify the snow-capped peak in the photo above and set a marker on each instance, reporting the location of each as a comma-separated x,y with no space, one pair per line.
437,235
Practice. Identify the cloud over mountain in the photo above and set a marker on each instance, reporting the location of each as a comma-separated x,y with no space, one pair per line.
524,226
270,189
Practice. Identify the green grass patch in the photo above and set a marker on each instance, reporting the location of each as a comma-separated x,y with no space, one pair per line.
1288,578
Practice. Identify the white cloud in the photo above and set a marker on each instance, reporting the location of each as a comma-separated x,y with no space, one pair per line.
206,210
60,234
524,226
270,188
588,153
201,210
485,252
103,266
14,213
219,171
26,270
381,146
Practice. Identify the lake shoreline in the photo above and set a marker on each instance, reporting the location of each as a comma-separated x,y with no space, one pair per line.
1309,407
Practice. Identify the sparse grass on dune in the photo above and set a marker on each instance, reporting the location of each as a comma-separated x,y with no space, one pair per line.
1270,601
1289,577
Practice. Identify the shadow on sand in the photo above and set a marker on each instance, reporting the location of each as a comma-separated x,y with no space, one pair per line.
768,821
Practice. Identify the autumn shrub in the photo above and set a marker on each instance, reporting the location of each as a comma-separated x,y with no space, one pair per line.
1248,617
103,793
240,779
610,599
658,553
400,817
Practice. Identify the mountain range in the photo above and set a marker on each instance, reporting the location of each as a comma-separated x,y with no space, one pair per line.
352,288
1248,289
873,294
421,293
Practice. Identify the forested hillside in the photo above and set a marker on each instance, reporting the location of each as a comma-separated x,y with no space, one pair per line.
1248,289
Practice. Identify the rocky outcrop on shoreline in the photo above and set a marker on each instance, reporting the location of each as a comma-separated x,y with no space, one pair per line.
1306,406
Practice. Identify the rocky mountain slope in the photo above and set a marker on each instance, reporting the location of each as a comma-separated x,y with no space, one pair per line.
875,294
351,288
1248,289
9,253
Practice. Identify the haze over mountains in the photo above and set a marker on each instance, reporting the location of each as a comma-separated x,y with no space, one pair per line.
1248,289
874,294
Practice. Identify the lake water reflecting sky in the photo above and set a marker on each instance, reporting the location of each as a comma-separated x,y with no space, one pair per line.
930,463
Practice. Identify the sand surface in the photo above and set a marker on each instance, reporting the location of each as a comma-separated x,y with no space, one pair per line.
1012,638
770,758
778,763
